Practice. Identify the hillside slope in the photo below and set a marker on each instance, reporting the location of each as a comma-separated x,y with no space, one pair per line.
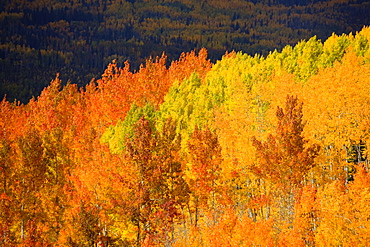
247,151
79,38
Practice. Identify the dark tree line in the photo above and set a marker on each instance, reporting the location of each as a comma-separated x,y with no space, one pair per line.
79,38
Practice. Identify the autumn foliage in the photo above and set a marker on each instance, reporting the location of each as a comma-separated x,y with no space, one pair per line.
249,151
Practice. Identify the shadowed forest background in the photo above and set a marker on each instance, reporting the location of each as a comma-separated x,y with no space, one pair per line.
78,38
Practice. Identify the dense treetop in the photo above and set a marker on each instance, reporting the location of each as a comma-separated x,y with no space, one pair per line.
251,150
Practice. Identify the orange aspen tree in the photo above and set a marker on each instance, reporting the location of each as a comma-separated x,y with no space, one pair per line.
204,165
283,158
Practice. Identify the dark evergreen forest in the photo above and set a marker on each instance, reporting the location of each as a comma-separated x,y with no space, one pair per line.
78,38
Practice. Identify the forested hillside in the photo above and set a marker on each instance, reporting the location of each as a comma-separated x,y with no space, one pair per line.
248,151
78,38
